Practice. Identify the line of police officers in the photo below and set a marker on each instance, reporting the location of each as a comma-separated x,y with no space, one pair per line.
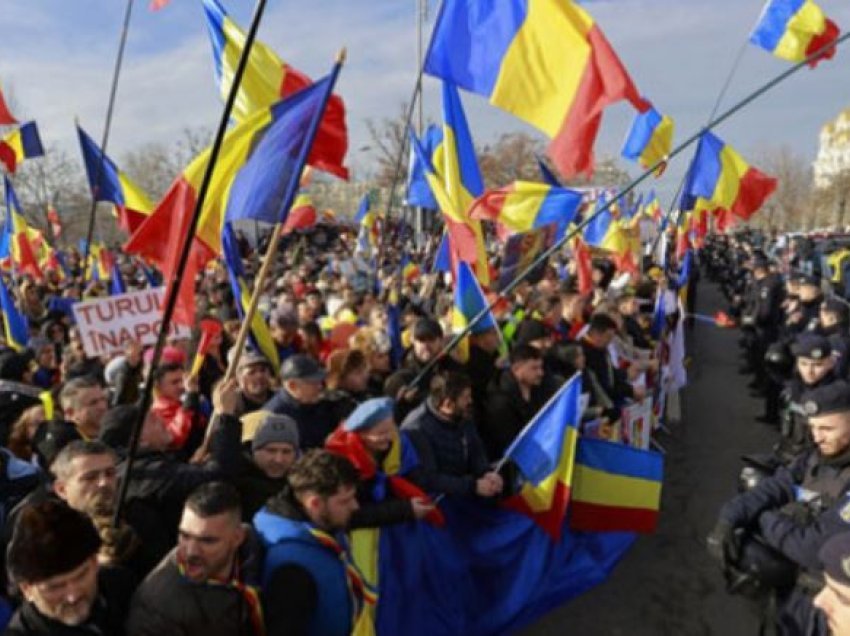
785,539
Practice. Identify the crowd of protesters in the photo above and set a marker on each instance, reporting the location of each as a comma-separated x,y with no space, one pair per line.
241,491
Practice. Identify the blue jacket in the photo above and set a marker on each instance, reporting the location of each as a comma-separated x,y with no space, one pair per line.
289,542
798,508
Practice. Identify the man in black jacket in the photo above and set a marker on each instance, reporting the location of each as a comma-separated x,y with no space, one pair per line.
613,381
53,560
451,454
516,395
160,482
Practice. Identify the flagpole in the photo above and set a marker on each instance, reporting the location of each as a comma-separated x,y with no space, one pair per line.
110,108
743,103
717,102
176,280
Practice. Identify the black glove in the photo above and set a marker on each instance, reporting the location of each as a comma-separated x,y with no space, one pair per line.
723,544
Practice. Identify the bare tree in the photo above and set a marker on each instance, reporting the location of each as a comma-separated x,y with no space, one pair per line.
388,139
154,166
791,206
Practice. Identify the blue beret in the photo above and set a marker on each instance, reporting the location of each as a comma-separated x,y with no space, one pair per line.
369,413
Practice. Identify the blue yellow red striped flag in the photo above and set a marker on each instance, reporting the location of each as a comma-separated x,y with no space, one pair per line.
22,143
795,29
547,62
615,487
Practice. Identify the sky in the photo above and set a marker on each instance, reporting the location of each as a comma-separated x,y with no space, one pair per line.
57,56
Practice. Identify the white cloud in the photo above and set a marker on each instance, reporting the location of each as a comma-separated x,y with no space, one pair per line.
58,57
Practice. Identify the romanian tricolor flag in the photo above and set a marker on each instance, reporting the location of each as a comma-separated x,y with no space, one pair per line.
418,191
545,61
599,225
525,206
367,221
15,243
132,205
15,328
653,209
650,139
22,143
469,302
795,29
210,328
544,452
302,215
266,80
409,270
101,261
260,335
256,177
615,487
6,117
720,178
463,241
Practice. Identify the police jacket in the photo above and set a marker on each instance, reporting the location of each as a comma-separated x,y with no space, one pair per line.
798,508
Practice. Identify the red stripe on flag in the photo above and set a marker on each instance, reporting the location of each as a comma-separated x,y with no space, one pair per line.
754,189
8,157
551,521
588,517
605,81
6,117
331,143
830,34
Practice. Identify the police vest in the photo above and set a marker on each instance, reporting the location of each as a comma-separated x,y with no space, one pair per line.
823,483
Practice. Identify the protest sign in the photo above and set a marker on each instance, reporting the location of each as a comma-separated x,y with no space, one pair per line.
108,324
638,422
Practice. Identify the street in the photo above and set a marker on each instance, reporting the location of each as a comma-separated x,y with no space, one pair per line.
667,585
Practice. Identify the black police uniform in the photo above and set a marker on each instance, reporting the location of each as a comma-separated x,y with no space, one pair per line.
796,511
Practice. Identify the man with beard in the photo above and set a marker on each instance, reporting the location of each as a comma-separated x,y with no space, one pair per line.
310,583
451,454
254,375
206,585
53,560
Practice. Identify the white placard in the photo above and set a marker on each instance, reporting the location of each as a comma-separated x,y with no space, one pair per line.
108,324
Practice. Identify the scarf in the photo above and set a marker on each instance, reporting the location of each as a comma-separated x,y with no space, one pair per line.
362,594
249,594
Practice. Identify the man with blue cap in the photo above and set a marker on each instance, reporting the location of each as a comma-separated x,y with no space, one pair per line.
387,464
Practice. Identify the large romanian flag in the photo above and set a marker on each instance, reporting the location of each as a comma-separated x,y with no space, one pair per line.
719,177
265,81
615,487
795,29
22,143
544,452
545,61
132,205
256,177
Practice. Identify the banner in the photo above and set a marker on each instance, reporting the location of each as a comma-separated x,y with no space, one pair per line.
638,423
521,250
108,324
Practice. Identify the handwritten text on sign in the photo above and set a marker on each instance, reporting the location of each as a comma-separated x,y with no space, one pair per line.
107,325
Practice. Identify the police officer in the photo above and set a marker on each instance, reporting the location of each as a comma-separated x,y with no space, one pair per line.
814,367
764,311
790,515
834,599
803,316
834,323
